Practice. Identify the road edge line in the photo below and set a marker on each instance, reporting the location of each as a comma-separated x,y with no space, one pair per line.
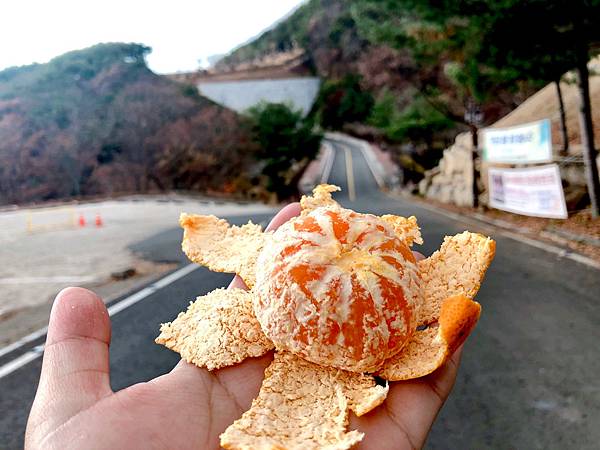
328,166
19,362
24,340
114,309
378,179
504,231
350,174
365,148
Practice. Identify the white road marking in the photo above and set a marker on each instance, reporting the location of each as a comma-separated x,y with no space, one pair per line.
561,252
36,352
24,340
376,174
329,157
350,174
364,148
16,363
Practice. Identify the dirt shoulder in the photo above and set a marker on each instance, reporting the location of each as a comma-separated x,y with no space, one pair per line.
578,233
44,250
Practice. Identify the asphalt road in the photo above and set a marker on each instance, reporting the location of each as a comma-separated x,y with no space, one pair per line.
529,375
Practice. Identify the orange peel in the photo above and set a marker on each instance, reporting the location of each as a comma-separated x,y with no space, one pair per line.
217,330
317,374
304,405
212,242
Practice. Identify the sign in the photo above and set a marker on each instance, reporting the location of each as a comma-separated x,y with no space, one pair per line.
535,191
529,143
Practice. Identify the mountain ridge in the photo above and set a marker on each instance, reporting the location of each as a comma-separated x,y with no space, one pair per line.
97,121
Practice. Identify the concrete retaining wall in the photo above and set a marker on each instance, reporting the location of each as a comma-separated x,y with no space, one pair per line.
244,94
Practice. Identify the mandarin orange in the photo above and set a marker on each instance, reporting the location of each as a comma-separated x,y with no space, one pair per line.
338,288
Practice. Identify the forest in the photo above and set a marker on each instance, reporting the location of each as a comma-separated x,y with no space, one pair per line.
98,122
412,74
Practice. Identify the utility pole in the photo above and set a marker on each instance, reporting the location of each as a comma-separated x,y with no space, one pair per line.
563,120
587,137
474,118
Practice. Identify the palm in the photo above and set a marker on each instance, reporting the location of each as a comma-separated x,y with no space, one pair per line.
404,419
187,408
191,407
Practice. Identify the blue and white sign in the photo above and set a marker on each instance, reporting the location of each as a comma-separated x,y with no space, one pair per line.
528,143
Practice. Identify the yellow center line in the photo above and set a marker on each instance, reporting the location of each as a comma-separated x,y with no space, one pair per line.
350,175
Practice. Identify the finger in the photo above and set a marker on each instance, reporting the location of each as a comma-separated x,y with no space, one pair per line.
241,381
424,397
285,214
412,406
75,368
443,379
238,283
242,386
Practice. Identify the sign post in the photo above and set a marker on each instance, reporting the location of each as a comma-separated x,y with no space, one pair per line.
474,117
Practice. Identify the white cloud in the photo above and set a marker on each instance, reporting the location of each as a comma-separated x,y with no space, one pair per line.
180,32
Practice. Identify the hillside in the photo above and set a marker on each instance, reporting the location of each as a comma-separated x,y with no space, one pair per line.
544,105
97,121
328,36
323,30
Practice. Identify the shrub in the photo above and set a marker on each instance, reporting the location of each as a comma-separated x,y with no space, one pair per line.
342,101
286,143
419,122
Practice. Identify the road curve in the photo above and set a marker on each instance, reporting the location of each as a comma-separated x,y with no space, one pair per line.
529,372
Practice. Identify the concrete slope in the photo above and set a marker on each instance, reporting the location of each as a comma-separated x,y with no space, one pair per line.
241,95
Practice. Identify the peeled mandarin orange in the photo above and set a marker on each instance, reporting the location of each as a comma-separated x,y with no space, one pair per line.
337,288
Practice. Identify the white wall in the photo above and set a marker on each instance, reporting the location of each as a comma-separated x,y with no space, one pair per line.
241,95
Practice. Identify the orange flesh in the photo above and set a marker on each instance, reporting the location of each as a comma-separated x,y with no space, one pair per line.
309,225
393,296
354,331
361,313
340,227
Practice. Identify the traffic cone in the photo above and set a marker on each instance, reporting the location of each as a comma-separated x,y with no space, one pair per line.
99,222
81,220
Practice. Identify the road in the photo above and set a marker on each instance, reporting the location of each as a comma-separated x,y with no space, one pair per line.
529,375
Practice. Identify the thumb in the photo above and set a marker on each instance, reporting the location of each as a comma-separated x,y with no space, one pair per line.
75,368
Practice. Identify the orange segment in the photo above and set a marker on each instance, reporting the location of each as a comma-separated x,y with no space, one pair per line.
396,245
356,326
304,274
340,227
309,225
395,302
291,249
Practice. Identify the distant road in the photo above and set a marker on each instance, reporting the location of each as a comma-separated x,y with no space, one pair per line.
529,376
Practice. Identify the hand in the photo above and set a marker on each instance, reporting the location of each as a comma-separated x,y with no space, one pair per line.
189,407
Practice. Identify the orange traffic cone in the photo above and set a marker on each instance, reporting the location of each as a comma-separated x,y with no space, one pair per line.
99,222
81,220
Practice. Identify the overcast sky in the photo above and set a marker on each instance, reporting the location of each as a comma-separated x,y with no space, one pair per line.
180,32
